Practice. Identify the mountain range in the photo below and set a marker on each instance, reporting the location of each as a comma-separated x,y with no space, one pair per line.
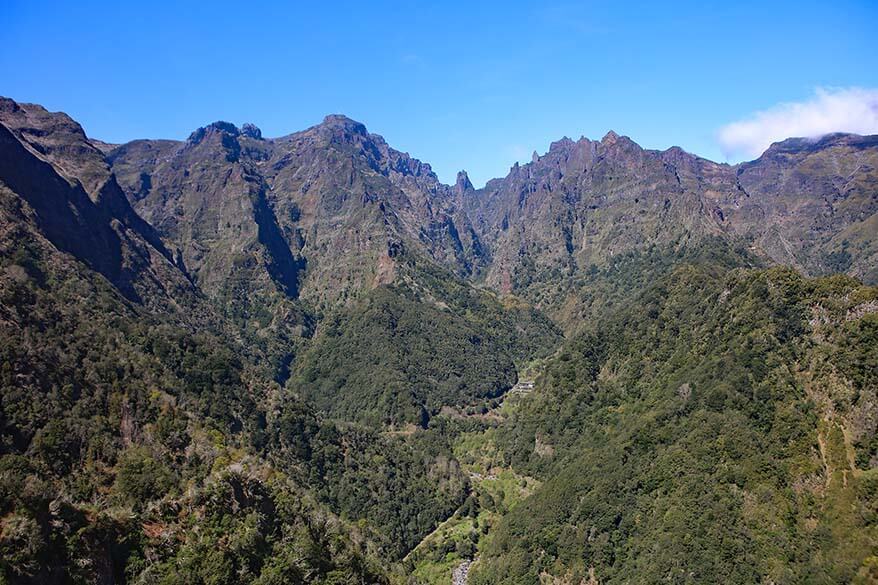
235,358
335,198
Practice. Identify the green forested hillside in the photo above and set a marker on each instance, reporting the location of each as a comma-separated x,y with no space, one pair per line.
302,371
575,300
139,448
401,353
717,429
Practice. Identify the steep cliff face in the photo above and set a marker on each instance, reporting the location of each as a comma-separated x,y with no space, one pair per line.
813,204
324,213
583,203
290,235
59,187
206,197
803,203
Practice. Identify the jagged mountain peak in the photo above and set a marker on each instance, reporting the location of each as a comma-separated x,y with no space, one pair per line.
227,129
563,144
681,158
8,104
350,136
342,123
614,141
218,127
251,131
610,137
566,148
463,183
333,197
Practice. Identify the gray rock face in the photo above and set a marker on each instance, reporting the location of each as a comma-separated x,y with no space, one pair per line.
64,190
332,211
812,204
584,203
333,205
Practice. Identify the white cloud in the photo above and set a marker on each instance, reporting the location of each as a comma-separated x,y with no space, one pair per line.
852,110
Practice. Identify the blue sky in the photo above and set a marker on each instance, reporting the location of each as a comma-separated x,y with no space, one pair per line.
474,85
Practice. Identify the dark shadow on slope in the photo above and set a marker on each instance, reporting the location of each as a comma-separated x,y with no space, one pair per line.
64,212
283,267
